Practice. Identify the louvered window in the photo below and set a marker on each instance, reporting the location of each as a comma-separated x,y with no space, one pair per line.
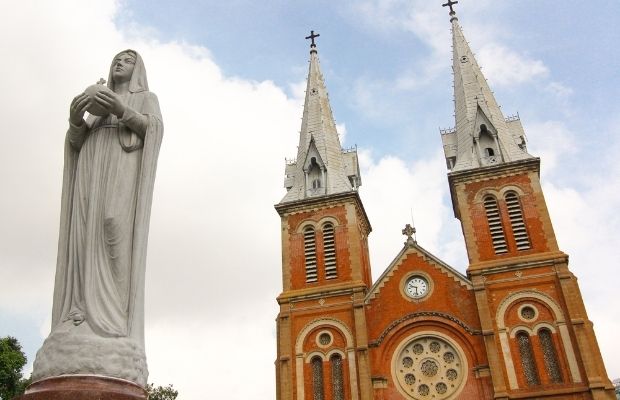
528,362
317,379
549,355
495,225
329,247
310,254
515,213
337,382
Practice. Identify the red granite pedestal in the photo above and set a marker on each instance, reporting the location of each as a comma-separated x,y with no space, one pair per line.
83,387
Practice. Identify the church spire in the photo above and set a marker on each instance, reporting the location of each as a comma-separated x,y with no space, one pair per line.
482,135
322,167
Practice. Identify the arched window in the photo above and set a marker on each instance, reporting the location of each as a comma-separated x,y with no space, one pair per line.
315,175
515,213
528,362
310,254
498,237
317,379
329,247
549,355
337,382
487,143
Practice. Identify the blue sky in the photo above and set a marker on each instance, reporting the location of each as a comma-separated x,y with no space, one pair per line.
265,42
230,78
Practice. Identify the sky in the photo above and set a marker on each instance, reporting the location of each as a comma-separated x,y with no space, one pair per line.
230,77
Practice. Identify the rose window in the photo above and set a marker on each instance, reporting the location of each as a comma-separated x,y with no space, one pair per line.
429,367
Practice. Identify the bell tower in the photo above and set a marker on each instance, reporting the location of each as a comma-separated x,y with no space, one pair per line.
536,331
321,325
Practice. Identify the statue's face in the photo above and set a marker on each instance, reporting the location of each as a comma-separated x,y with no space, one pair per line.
122,67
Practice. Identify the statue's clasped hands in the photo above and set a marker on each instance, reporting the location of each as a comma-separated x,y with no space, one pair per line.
107,99
111,102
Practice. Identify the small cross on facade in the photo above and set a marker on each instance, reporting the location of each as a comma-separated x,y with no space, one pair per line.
450,3
311,37
409,231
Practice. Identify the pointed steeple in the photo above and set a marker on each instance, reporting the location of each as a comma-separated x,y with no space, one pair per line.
482,135
322,167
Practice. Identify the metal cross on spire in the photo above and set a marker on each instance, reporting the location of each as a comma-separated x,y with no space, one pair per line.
311,37
450,3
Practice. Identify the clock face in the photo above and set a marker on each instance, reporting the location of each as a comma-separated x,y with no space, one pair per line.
416,287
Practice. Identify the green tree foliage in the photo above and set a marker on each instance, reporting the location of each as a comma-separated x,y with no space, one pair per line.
161,393
12,360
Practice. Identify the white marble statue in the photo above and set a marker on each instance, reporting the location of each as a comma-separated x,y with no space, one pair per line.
110,162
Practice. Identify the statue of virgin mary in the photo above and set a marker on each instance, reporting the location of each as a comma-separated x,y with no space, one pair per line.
109,170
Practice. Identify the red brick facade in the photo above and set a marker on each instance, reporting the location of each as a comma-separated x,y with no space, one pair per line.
514,327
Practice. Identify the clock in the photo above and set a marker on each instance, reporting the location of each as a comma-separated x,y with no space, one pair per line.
416,287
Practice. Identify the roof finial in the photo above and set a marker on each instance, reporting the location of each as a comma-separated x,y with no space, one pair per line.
409,231
450,3
311,37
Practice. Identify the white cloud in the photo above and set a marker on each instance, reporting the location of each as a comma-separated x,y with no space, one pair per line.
553,142
504,67
559,89
298,90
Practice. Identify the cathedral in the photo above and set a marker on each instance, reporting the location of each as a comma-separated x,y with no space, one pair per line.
513,327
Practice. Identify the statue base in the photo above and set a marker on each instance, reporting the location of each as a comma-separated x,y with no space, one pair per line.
72,350
83,387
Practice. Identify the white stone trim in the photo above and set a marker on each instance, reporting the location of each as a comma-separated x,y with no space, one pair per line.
498,193
542,325
510,366
511,188
303,225
327,219
335,351
521,328
353,374
570,354
313,354
484,192
299,367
